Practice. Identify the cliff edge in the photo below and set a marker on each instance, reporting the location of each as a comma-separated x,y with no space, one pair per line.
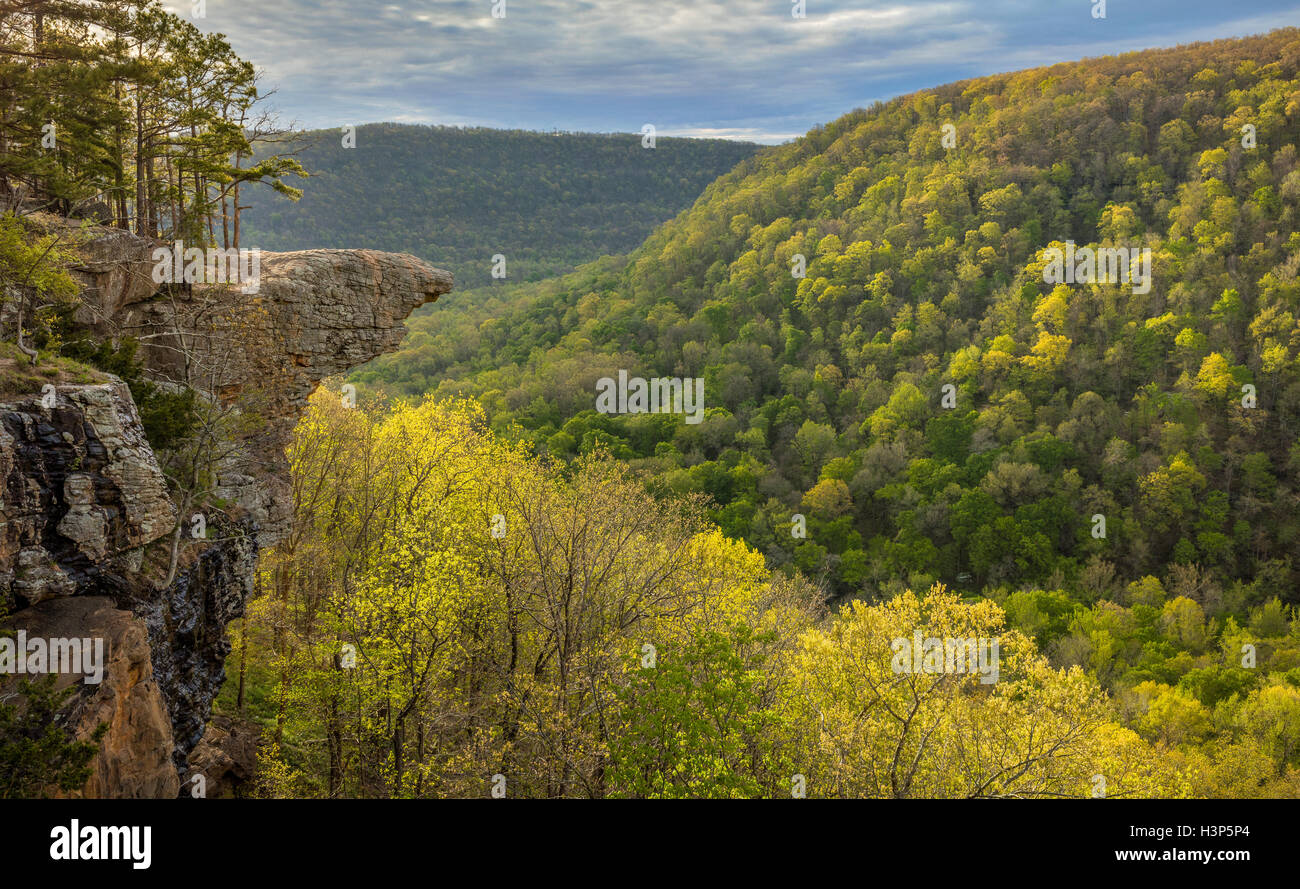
91,520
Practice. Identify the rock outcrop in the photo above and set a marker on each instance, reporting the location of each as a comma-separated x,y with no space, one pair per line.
314,314
135,755
117,271
187,629
86,522
82,495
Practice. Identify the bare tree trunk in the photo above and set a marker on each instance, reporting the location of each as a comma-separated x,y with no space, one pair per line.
141,176
153,205
22,310
237,209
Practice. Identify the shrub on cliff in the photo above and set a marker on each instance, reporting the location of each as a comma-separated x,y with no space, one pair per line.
37,752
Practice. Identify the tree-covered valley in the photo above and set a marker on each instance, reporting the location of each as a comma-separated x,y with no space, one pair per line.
923,269
982,502
1171,414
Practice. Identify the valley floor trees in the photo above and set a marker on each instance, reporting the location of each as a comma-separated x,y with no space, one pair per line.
453,617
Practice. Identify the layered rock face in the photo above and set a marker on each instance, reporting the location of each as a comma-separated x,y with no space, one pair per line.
313,314
82,494
86,523
187,629
84,498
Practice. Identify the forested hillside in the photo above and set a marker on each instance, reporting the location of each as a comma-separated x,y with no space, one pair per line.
1115,464
1058,514
457,196
924,268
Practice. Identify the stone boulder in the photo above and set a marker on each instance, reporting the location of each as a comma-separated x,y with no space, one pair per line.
226,757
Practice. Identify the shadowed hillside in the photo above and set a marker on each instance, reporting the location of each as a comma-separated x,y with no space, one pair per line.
547,202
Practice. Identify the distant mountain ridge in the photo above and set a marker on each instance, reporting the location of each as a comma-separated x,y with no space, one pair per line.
547,202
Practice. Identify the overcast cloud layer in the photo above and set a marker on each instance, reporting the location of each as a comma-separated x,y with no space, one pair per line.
736,68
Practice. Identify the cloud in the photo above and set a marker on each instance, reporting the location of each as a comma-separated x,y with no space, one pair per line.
737,68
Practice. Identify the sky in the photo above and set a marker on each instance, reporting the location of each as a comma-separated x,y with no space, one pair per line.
740,69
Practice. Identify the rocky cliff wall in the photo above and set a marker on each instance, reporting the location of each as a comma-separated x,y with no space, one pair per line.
314,314
86,517
82,495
